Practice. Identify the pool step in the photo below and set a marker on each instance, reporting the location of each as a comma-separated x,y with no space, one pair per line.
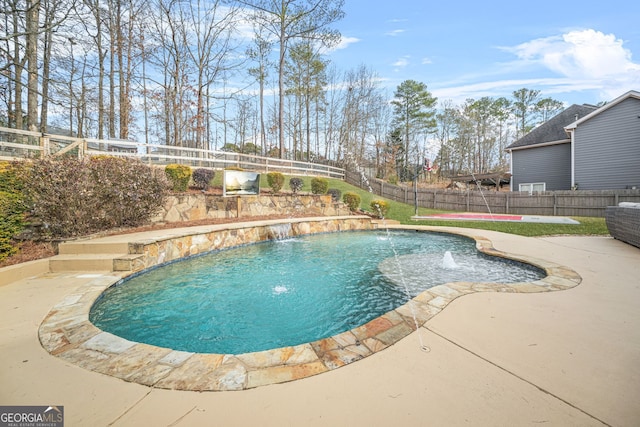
88,247
95,262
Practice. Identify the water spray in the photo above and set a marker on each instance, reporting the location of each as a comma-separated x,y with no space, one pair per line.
482,194
425,348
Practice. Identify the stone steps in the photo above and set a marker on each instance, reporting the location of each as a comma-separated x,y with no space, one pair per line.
94,255
89,247
81,262
94,262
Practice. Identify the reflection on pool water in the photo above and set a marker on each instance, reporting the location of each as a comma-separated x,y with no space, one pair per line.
283,293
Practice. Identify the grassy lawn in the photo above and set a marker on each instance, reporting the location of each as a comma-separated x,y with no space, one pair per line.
403,212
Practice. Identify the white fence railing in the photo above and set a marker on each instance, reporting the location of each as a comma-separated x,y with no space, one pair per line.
21,144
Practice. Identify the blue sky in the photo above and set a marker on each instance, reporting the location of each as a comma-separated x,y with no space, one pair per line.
575,52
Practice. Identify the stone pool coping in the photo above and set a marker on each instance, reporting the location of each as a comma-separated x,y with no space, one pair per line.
67,333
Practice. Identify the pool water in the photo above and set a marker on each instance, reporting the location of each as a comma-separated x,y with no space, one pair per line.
288,292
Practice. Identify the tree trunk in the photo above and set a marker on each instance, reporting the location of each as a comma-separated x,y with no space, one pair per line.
113,39
18,65
33,16
263,136
281,89
46,65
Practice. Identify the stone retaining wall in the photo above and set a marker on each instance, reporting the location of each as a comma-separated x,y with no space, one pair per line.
205,239
193,207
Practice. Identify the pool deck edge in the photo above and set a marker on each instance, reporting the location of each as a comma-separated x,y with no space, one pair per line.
67,333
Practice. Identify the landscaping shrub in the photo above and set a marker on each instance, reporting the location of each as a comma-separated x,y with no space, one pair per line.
379,208
335,194
13,205
202,178
275,181
352,200
61,196
296,184
129,192
12,176
319,185
74,197
179,176
12,222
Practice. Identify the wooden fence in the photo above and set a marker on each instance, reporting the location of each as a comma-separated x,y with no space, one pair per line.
591,203
20,144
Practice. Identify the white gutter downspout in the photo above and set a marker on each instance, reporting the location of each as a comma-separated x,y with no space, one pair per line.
510,169
573,158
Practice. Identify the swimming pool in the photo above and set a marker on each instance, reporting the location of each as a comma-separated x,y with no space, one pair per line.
289,292
67,333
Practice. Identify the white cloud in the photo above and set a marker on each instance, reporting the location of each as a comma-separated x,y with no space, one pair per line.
458,93
394,33
401,62
584,55
426,61
345,42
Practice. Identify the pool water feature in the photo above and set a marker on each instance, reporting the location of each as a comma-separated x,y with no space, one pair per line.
284,293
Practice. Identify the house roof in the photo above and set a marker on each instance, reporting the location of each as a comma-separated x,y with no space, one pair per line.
575,123
553,130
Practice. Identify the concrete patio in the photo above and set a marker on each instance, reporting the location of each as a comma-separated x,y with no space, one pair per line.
564,358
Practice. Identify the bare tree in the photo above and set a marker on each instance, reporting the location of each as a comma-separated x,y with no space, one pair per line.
287,20
14,52
51,15
259,53
305,74
31,54
207,35
96,31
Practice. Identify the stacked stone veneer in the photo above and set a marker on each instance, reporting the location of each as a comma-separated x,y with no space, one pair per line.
176,245
193,207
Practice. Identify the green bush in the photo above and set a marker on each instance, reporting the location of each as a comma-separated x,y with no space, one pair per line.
12,222
379,208
335,194
13,205
393,179
275,181
203,177
352,200
12,176
296,184
319,185
74,197
179,176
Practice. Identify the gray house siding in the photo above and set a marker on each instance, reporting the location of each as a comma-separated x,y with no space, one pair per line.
607,148
550,164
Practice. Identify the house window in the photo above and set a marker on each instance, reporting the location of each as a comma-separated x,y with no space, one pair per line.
532,187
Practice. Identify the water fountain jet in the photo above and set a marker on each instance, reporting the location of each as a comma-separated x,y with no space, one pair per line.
448,262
